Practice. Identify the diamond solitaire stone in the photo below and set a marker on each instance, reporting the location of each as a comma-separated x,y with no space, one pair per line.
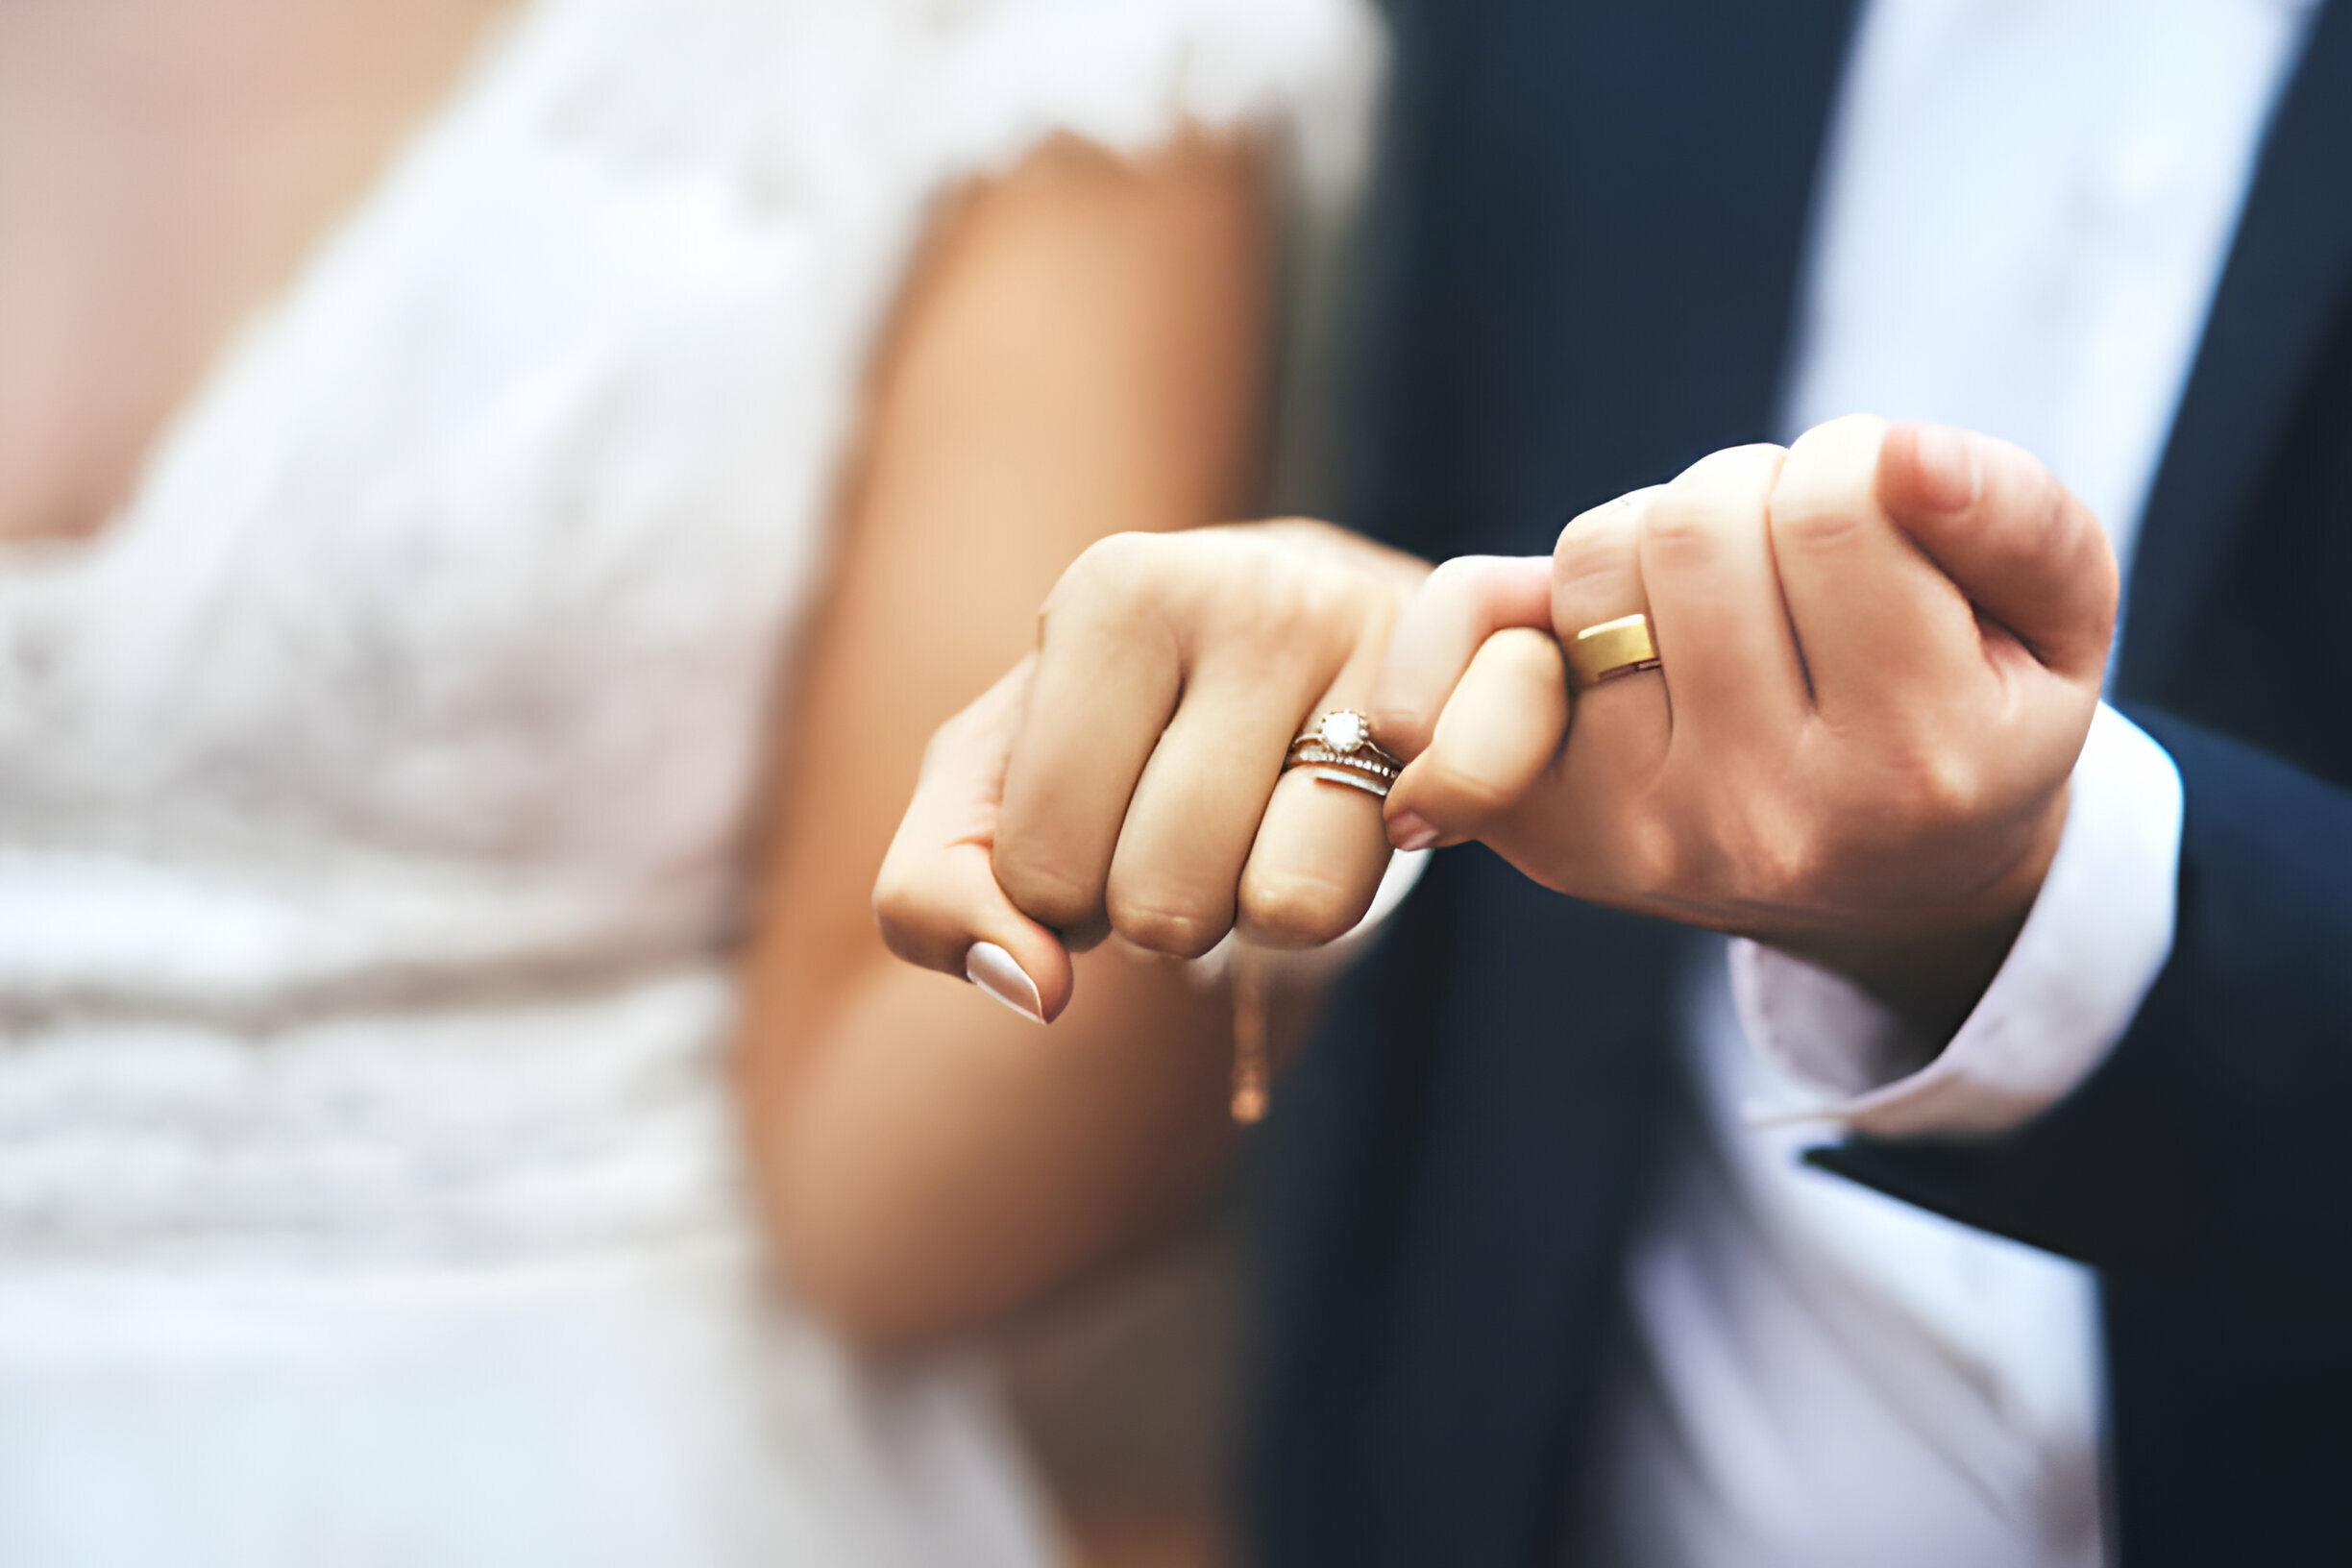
1343,731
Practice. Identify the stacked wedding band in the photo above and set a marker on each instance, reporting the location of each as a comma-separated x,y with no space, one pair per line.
1338,749
1611,649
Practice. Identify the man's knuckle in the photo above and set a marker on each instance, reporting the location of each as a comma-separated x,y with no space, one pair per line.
1743,468
1800,862
1815,524
1840,441
1655,857
1828,484
1583,566
2040,545
1683,527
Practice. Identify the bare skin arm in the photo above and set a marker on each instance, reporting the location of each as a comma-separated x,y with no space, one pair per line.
1079,354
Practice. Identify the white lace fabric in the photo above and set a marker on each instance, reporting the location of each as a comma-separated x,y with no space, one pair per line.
431,664
373,789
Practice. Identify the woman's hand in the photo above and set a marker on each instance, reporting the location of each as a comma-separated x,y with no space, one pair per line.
1880,651
1127,778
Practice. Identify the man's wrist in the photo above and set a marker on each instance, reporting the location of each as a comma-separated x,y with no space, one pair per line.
1932,979
2065,992
1930,984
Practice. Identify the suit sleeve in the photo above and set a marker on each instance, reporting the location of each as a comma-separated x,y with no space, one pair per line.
2218,1135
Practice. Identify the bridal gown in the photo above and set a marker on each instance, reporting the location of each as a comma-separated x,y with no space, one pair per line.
371,806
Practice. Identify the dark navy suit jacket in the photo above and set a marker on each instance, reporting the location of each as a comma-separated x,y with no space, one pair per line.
1583,269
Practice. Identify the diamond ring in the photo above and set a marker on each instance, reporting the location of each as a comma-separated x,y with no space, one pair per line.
1338,749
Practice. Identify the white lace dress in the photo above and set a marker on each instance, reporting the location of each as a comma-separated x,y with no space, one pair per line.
371,808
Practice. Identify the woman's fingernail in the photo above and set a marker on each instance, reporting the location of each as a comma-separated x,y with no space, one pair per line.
1407,830
992,969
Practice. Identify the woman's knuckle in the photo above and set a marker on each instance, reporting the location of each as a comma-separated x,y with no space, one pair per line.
1303,908
1046,893
1178,928
918,918
947,741
896,899
1288,612
1111,576
1933,785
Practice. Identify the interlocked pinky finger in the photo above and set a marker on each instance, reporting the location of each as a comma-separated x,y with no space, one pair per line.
1501,727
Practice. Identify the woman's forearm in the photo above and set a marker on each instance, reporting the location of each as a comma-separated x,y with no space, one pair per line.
1080,352
945,1161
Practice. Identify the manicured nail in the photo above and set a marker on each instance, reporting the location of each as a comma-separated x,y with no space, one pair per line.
1950,478
1407,830
992,969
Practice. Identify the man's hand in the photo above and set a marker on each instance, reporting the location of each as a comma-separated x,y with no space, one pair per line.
1881,649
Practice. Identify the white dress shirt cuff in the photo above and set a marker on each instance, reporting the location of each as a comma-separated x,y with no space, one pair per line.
2096,939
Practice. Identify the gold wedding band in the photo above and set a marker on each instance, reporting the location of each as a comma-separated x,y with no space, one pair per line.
1613,647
